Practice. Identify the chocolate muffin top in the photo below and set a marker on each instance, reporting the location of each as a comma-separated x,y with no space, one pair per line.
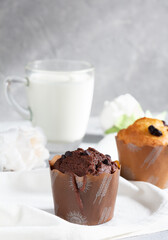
145,132
82,162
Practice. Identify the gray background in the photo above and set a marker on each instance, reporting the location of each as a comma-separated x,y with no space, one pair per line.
126,41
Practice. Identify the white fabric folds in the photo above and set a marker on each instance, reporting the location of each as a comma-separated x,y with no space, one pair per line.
26,210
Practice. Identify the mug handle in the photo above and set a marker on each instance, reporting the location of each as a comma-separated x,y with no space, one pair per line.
24,112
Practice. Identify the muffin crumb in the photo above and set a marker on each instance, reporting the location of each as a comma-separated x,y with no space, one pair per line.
82,162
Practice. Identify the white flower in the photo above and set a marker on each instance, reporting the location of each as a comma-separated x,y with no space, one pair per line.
120,106
22,148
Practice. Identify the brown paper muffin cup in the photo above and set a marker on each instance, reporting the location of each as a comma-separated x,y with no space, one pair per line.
87,200
147,163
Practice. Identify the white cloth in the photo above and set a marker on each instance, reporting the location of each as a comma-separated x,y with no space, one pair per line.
26,210
26,207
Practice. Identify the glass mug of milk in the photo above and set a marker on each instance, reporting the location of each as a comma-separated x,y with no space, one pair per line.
59,96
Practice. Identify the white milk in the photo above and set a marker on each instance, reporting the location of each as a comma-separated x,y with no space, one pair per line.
61,104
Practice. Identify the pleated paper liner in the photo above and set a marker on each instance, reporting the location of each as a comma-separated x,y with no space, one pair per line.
147,163
87,200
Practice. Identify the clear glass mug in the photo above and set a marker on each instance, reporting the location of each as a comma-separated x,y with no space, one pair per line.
59,96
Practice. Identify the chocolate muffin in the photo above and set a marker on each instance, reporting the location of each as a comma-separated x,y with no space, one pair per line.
84,185
143,151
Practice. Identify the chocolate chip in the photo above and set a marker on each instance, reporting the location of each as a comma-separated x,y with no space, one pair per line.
68,153
106,162
154,131
85,153
98,165
108,156
164,123
63,156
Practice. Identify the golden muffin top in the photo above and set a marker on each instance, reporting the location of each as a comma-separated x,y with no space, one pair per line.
145,131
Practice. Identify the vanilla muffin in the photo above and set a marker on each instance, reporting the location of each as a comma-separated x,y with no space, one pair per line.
143,151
